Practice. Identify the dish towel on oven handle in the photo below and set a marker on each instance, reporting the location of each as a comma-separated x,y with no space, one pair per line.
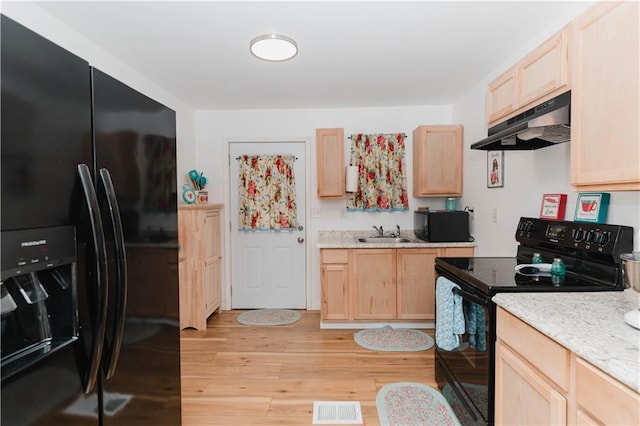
449,315
475,323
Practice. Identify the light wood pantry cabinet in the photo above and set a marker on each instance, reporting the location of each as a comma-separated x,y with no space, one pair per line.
541,75
381,283
605,147
437,161
200,275
330,163
558,386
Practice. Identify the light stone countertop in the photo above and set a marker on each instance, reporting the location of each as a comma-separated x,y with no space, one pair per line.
590,324
349,239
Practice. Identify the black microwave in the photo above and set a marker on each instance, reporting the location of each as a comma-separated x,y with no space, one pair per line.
441,225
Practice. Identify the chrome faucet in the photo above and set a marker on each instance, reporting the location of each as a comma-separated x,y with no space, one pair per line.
380,230
397,233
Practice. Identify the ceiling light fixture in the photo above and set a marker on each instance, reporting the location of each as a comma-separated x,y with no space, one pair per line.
273,47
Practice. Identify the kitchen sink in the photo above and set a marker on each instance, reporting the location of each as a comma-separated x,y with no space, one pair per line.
384,240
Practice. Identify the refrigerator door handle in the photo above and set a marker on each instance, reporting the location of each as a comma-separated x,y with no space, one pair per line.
90,377
111,360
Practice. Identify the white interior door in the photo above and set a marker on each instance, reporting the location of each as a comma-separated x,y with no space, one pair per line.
268,268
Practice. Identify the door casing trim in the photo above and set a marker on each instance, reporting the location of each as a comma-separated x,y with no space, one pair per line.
226,287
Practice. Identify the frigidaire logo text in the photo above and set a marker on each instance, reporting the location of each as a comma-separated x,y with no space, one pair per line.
33,243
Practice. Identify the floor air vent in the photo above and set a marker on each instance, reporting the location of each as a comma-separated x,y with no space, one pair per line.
337,412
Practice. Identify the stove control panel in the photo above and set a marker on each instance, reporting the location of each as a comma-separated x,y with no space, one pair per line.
586,237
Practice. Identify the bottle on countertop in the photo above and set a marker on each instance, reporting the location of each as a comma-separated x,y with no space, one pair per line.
558,271
537,258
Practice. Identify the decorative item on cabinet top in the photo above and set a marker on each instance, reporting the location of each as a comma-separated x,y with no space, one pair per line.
553,206
194,192
592,207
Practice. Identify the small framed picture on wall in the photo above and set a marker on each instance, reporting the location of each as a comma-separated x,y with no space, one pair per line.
495,169
553,206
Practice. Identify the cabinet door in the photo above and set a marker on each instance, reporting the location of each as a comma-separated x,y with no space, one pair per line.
211,234
211,261
501,96
416,283
437,161
334,284
605,153
373,283
544,70
522,394
330,163
211,277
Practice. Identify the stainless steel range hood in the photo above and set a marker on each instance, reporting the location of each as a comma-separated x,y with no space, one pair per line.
543,125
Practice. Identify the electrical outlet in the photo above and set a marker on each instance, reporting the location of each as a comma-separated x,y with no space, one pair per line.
494,215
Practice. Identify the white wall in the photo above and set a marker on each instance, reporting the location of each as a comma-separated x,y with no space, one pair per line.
215,128
44,24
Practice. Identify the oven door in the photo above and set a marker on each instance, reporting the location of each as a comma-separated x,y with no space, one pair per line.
465,375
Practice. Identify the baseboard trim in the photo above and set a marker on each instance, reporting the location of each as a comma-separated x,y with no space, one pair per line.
362,325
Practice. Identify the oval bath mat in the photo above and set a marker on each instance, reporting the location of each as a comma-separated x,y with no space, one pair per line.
269,317
408,403
392,339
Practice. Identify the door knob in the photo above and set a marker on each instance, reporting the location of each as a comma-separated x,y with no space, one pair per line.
300,240
300,228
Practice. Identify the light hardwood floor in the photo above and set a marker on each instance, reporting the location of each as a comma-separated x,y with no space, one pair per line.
234,374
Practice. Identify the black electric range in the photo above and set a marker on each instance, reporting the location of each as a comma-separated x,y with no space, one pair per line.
591,254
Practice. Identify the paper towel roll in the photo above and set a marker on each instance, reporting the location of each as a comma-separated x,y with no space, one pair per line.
352,179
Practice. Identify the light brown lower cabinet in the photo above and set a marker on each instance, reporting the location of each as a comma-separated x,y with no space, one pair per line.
380,284
334,275
539,381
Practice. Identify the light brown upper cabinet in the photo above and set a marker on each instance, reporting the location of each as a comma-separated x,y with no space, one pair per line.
541,75
330,163
501,96
605,137
437,161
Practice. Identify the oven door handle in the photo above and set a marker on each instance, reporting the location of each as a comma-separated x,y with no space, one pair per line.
472,297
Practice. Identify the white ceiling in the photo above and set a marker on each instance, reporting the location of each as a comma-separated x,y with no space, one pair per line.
351,54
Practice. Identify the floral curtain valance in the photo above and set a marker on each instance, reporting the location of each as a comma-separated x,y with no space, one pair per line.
382,183
267,193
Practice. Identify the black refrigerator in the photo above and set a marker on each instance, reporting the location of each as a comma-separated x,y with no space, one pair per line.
90,317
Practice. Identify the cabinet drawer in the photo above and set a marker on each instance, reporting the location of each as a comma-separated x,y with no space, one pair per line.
549,357
334,256
604,398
